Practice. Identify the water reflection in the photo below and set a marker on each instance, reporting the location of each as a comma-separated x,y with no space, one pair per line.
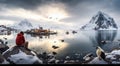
96,37
108,35
40,36
41,43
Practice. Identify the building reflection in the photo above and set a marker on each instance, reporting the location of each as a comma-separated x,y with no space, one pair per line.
47,36
40,36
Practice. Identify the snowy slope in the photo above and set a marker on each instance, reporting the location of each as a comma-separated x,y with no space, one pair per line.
101,21
23,25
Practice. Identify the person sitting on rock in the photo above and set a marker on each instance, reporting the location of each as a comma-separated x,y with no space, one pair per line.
20,40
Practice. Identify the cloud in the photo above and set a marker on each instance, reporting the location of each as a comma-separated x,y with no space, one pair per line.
77,12
6,22
26,4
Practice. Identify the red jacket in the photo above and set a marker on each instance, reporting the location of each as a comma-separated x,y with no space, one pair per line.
20,40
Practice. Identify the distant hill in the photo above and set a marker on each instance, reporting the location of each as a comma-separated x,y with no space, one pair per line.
23,25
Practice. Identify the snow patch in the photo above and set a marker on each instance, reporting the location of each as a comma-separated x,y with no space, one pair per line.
116,52
5,62
22,58
97,61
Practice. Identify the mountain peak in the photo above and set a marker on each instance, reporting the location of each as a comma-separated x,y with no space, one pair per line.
101,21
100,12
25,22
23,25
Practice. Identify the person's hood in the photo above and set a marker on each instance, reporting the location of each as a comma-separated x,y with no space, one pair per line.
19,34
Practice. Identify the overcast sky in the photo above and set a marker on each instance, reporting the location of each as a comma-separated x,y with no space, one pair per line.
57,13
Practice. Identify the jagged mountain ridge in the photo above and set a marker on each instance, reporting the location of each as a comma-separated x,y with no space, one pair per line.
100,21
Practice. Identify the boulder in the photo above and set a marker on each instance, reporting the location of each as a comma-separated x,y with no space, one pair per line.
3,48
21,55
3,60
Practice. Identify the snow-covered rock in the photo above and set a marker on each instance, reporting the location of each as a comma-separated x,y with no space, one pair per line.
114,56
88,57
3,60
3,31
101,21
3,47
72,62
1,28
111,58
96,60
67,57
21,55
49,58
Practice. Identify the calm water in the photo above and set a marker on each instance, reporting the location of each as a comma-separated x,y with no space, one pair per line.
74,45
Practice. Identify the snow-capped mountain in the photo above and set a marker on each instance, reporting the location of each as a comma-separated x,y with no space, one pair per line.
23,25
101,21
26,23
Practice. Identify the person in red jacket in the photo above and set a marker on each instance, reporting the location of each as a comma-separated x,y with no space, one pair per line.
20,40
